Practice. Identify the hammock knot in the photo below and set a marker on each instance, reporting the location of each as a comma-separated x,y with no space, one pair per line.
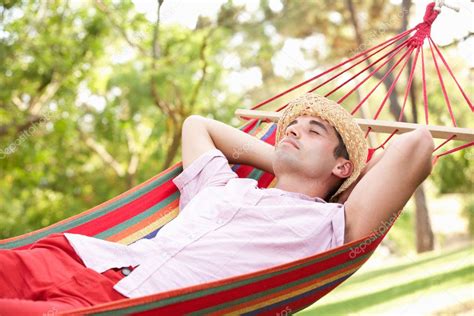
423,30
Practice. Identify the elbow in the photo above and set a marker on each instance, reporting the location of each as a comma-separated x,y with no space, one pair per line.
422,145
191,121
424,137
192,118
415,149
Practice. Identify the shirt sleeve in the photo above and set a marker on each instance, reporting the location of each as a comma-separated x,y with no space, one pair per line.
338,226
210,169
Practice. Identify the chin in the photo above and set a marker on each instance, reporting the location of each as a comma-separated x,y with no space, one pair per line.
285,161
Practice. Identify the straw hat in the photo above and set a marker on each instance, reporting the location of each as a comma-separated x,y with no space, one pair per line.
315,105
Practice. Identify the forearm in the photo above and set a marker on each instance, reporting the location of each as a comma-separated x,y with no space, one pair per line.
240,147
414,151
387,187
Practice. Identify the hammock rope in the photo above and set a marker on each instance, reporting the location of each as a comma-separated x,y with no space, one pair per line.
396,54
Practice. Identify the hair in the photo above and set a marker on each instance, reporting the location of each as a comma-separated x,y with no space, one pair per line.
340,150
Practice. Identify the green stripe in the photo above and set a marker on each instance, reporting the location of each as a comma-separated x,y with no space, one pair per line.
283,287
208,291
255,174
100,212
139,217
252,131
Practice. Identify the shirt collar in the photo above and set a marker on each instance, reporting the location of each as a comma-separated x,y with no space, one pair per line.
298,195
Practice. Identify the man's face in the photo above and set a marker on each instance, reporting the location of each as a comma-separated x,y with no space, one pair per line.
313,155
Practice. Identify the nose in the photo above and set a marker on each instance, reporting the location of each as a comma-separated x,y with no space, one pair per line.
292,130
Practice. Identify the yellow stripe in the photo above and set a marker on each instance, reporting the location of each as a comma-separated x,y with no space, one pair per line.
149,228
273,183
287,295
262,129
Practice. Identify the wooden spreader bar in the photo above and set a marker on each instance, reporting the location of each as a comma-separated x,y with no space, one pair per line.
378,126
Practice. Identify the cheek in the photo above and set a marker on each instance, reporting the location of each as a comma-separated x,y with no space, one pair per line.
321,149
321,155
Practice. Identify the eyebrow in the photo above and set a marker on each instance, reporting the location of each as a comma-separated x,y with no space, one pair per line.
311,122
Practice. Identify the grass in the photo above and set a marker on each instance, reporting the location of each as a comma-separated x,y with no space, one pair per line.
381,290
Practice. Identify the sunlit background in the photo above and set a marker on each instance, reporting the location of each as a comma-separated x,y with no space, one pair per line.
88,109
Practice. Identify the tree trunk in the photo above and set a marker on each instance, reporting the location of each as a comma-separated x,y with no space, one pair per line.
424,233
173,148
131,181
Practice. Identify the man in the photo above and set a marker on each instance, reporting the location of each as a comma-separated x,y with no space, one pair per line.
228,226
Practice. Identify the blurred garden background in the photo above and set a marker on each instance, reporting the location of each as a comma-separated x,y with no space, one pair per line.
93,95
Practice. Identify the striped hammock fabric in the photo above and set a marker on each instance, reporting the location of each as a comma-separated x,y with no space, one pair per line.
143,210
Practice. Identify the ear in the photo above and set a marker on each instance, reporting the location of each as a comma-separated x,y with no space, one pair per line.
343,168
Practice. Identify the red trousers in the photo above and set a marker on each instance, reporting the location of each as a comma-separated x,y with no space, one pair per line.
50,277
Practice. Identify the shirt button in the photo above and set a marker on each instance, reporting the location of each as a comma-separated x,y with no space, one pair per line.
126,271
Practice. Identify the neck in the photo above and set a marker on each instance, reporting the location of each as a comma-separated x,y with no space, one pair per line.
310,187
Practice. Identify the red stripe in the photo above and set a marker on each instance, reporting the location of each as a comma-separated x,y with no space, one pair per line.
300,303
265,180
243,291
244,170
126,211
250,126
259,286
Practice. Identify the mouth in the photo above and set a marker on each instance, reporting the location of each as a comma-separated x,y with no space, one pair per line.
290,142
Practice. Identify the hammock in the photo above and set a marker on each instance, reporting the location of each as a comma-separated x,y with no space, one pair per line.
143,210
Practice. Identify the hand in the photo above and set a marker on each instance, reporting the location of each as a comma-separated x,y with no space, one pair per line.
342,198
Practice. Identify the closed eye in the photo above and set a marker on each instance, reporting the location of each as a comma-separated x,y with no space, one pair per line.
314,132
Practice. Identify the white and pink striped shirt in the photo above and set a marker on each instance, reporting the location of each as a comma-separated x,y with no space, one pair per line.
227,226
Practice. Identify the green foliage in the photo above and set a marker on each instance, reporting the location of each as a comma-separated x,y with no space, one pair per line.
454,173
78,127
401,238
401,285
468,212
79,122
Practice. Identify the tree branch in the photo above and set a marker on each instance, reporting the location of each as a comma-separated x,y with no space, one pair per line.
155,47
457,41
156,54
102,153
46,93
132,148
406,5
31,120
203,59
102,7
